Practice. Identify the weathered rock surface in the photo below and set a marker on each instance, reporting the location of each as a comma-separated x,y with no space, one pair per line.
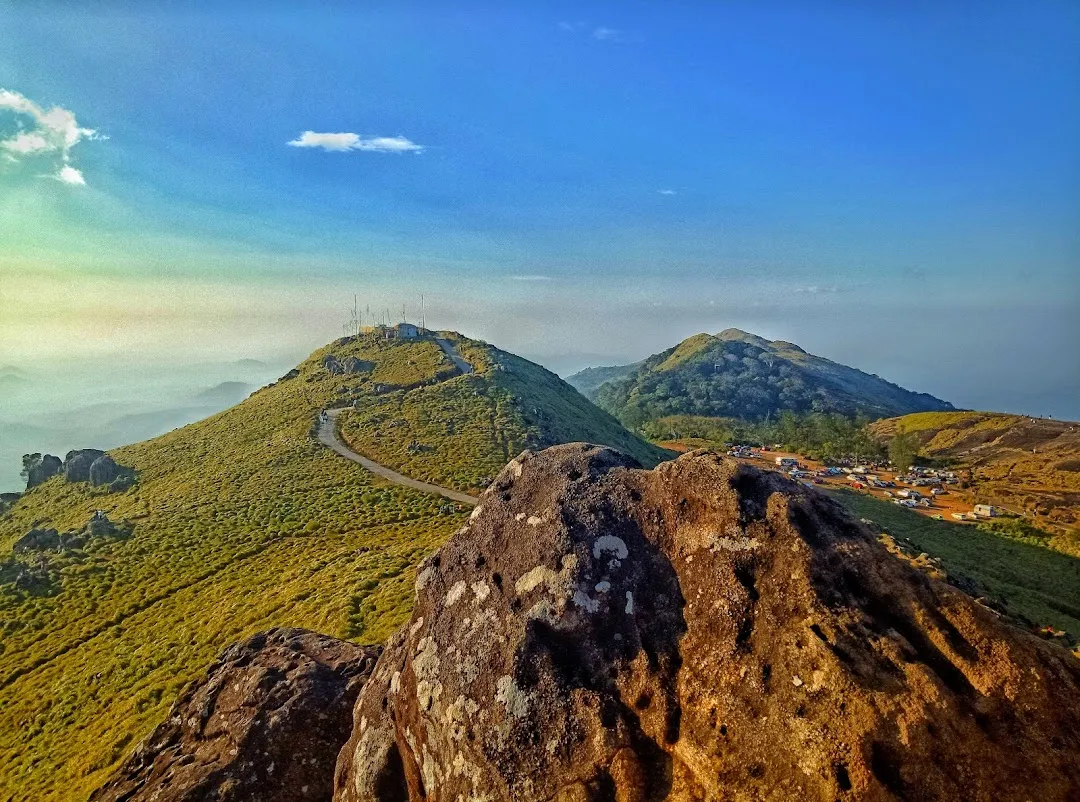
266,723
701,631
104,470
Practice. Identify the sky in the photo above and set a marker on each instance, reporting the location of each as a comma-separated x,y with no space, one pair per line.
895,186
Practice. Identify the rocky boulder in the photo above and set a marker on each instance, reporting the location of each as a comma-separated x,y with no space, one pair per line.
701,631
266,723
40,468
37,540
104,471
77,464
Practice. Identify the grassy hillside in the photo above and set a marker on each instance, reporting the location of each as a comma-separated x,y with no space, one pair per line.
739,375
459,433
1035,582
241,522
1030,465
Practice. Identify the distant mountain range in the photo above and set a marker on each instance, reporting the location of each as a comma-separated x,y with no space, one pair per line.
740,375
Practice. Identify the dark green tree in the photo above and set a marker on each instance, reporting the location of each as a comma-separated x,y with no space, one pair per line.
903,449
28,463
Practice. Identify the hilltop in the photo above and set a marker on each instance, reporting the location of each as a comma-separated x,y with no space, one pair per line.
1030,465
459,433
735,374
235,524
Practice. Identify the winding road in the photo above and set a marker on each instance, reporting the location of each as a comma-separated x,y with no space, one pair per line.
455,357
328,436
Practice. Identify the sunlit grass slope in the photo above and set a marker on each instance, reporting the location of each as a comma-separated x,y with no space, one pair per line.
1029,465
1038,583
459,433
242,522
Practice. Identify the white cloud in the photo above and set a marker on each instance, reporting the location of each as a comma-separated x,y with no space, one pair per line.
342,142
667,191
44,133
531,278
69,175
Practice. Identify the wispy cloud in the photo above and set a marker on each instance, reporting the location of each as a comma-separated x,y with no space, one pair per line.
667,192
601,33
531,278
816,289
343,142
43,135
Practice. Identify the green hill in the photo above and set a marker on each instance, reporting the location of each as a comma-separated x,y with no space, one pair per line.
240,522
739,375
589,380
459,433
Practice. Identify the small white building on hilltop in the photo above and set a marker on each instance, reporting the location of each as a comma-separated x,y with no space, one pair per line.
400,331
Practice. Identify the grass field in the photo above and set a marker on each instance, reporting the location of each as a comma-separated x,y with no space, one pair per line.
1036,582
242,522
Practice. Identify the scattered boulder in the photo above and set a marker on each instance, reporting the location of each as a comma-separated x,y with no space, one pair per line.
99,527
37,540
40,468
103,471
7,500
350,365
80,465
265,723
77,464
353,365
705,630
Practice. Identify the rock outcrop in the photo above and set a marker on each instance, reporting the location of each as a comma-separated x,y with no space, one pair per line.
266,723
41,468
80,465
99,527
701,631
37,540
104,471
77,464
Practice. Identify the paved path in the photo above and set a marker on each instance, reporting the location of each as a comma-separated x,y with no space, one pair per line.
462,365
328,436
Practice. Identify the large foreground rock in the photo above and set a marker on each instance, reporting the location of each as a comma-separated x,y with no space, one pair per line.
703,631
266,723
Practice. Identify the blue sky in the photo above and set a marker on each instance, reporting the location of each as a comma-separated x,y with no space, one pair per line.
895,186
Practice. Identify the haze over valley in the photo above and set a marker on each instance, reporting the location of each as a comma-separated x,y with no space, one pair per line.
593,401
